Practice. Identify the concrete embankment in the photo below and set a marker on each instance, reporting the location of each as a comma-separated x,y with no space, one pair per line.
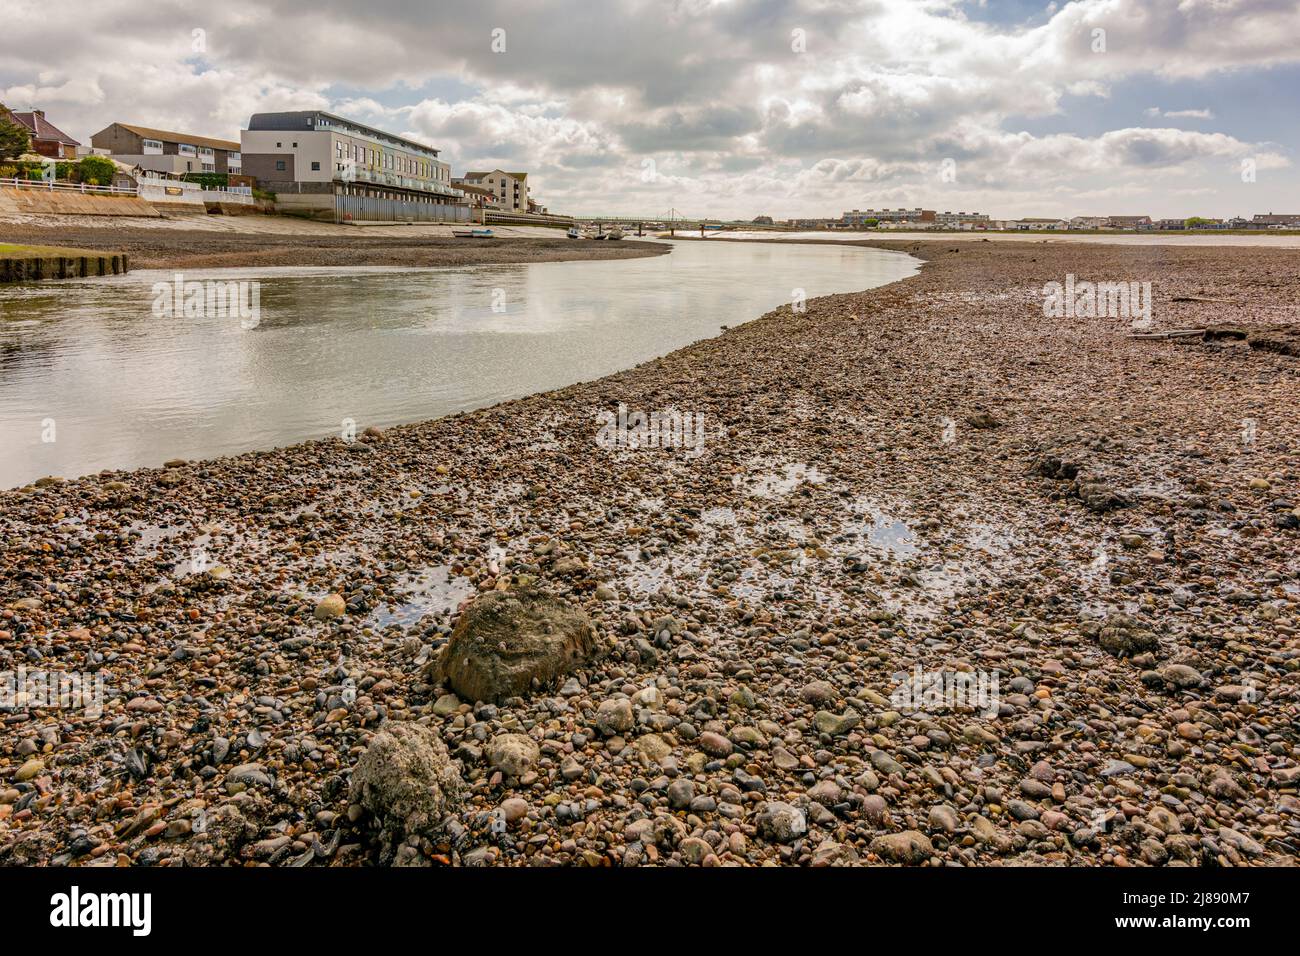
39,202
30,265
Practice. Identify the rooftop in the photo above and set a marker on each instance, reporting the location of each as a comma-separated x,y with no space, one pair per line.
171,136
312,120
41,128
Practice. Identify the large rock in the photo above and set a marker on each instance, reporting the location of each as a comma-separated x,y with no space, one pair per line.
507,642
911,847
512,754
406,780
782,822
1124,636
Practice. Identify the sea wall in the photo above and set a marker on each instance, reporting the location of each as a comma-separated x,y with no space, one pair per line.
31,268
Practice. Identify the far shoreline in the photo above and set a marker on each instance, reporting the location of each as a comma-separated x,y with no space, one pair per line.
248,241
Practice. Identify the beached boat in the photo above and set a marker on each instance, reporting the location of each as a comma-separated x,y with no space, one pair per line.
574,233
614,234
472,233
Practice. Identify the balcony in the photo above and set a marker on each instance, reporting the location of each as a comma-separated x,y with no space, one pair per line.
348,171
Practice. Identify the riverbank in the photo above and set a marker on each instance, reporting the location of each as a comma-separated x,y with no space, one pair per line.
932,474
251,241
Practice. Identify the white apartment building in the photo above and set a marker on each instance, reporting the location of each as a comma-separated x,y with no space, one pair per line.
309,158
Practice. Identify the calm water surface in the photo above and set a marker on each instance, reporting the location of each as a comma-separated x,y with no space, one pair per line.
89,364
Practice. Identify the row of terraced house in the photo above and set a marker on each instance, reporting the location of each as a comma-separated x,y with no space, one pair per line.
316,164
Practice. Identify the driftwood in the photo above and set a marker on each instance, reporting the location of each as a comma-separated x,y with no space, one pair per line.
1171,334
1199,298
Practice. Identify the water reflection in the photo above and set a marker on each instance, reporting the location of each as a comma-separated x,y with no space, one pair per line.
124,387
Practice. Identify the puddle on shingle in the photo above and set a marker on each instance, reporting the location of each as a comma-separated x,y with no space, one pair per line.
719,517
431,591
880,528
781,482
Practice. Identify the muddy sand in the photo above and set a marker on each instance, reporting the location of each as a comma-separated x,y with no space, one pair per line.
927,478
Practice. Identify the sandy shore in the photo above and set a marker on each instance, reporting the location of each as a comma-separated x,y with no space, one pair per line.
209,242
928,475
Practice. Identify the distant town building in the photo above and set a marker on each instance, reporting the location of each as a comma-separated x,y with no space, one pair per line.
858,217
1038,223
1274,220
322,165
1087,222
762,220
1128,222
962,220
165,151
47,139
511,189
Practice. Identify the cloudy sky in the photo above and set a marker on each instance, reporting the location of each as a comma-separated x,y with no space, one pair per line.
730,108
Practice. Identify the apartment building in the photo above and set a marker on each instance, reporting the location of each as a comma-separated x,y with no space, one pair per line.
859,217
330,167
167,151
962,220
510,189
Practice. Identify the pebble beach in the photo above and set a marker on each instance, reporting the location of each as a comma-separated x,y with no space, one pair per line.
929,477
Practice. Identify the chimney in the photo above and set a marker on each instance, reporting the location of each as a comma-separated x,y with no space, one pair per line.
40,113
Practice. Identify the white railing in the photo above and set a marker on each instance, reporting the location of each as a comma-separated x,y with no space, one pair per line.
51,186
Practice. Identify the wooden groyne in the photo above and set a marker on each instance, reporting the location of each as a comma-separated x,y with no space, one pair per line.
34,266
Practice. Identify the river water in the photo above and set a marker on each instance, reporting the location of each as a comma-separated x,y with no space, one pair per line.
93,376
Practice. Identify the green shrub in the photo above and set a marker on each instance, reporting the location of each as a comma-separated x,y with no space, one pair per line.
208,180
94,170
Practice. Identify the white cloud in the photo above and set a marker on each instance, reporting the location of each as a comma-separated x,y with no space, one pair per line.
711,91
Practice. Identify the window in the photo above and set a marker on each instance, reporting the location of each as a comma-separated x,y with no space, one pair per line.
279,165
152,146
315,167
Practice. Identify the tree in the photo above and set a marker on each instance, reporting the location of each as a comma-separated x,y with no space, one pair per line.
96,171
14,138
1195,222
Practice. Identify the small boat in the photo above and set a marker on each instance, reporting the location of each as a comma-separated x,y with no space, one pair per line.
472,233
614,233
574,233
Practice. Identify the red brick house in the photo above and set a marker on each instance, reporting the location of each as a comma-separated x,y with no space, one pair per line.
47,139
